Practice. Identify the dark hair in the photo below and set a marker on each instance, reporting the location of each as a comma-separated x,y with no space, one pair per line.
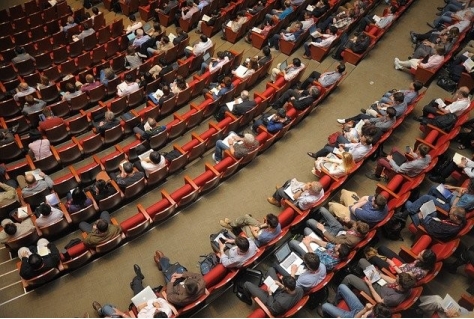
44,209
78,196
289,282
380,310
428,260
242,243
155,157
10,229
296,62
191,286
344,251
272,220
391,112
102,225
35,261
312,261
128,167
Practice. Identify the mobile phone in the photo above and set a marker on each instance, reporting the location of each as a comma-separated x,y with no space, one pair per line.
408,149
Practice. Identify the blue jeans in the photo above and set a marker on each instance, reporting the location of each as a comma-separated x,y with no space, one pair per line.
351,300
220,147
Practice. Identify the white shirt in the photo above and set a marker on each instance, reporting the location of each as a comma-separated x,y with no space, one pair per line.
149,310
125,88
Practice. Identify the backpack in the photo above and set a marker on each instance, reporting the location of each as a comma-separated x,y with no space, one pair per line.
445,122
393,228
207,263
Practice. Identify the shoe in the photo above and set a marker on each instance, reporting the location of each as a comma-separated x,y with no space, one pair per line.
363,111
225,224
372,176
158,255
312,155
273,201
96,306
341,121
138,271
430,25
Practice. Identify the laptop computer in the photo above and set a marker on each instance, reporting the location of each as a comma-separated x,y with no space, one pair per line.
143,296
287,258
283,65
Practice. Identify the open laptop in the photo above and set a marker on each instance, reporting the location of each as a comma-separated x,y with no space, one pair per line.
283,65
143,296
287,258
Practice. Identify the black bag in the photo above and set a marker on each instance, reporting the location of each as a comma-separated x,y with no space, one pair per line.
445,122
208,262
447,84
393,228
251,275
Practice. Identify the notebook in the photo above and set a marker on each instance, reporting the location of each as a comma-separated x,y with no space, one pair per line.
283,65
287,258
145,155
143,296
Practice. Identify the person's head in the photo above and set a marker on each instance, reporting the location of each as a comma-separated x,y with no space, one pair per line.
166,90
10,229
379,202
249,139
128,78
341,68
289,283
155,157
30,179
191,286
20,50
71,88
297,62
311,260
227,82
242,243
343,251
332,29
440,50
362,228
423,150
78,196
426,259
253,64
102,225
95,10
314,91
44,209
380,310
109,116
244,95
347,161
35,261
406,281
272,221
128,167
457,215
44,80
391,112
139,33
203,38
266,51
89,78
131,50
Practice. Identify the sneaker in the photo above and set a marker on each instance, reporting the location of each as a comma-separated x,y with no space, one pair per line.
372,176
273,201
96,306
341,121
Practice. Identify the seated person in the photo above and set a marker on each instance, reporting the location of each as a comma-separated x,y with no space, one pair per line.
326,79
34,186
369,209
191,285
314,272
357,44
128,86
235,257
290,72
47,215
356,308
335,166
237,146
420,160
291,35
32,105
389,294
241,106
272,122
23,90
215,64
99,232
109,122
219,89
330,256
322,40
334,232
90,84
382,23
101,189
127,175
33,264
285,297
300,99
148,129
152,163
77,200
434,61
419,268
13,230
260,233
460,104
358,150
305,195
